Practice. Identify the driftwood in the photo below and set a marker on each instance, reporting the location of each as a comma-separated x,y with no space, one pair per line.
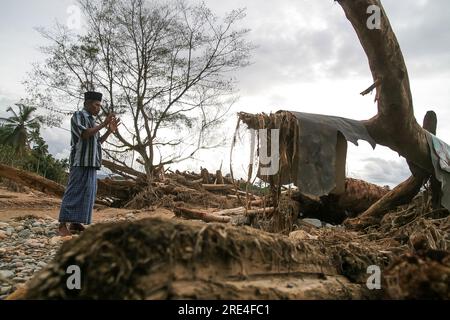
243,210
121,170
218,187
221,215
201,215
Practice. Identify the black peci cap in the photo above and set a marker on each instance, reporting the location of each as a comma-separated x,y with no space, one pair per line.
92,95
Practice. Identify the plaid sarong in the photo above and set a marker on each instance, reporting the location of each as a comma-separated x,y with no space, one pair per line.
79,197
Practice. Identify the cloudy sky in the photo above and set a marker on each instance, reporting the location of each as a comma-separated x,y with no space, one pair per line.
307,58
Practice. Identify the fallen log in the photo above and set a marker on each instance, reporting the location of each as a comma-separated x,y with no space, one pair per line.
358,196
243,211
218,187
201,215
119,169
121,189
167,259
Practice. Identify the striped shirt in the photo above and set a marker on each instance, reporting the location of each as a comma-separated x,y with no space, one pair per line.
84,152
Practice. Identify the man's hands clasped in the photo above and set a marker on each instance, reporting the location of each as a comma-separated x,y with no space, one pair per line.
111,122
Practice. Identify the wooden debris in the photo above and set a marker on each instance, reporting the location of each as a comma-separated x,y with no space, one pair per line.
217,187
201,215
219,177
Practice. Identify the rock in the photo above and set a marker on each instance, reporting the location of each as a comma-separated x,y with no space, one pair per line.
41,264
302,235
3,235
19,228
37,230
19,279
33,243
36,224
9,231
3,225
24,233
54,240
6,274
5,290
315,222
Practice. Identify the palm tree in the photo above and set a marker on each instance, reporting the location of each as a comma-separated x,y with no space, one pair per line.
16,130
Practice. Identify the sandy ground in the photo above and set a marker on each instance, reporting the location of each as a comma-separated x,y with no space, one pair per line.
17,204
22,254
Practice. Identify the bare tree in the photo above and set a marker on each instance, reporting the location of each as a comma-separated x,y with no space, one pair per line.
162,67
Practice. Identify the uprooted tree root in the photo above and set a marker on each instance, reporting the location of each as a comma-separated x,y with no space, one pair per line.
161,258
168,195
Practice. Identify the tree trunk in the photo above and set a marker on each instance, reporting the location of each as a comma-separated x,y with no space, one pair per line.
395,125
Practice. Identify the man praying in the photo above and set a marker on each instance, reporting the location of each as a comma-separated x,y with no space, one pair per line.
85,159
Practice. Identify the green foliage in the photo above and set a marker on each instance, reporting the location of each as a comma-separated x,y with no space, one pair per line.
16,130
37,159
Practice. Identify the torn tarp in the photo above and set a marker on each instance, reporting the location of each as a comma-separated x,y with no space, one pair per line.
317,147
440,157
320,153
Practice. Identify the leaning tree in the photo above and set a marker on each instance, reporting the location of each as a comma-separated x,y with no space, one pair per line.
163,67
393,126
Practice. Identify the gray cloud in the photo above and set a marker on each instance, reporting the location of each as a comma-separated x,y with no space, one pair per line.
58,139
291,50
385,172
5,102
